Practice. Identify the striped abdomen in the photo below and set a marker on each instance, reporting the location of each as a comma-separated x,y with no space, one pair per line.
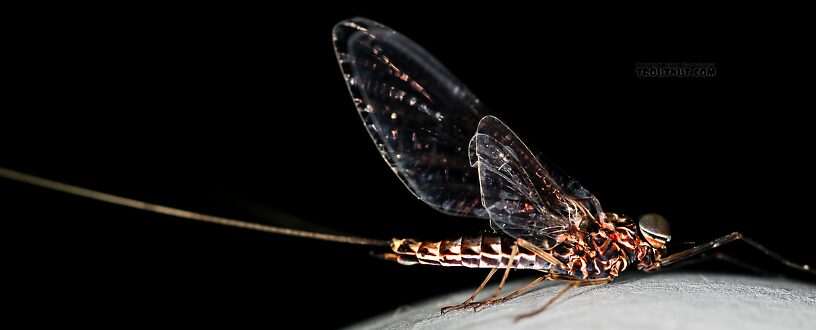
484,251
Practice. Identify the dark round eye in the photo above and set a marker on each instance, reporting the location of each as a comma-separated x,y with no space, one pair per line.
655,229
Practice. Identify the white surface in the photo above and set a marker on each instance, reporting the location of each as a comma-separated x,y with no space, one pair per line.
652,301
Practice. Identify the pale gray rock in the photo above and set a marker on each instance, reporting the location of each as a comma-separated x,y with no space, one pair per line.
652,301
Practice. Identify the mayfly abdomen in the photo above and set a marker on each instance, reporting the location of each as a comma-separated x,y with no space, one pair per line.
483,251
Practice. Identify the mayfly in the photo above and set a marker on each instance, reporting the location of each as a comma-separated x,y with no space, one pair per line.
451,153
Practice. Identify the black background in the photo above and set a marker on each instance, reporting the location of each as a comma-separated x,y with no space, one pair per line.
242,112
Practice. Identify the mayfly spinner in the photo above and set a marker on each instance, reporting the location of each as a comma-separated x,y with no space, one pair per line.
453,155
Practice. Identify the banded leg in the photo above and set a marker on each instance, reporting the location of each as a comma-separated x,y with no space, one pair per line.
473,296
572,284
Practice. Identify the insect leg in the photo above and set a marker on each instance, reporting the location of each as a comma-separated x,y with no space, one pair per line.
469,303
473,296
513,254
570,285
512,295
720,241
531,247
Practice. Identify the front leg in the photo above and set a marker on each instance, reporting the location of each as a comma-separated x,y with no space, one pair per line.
670,259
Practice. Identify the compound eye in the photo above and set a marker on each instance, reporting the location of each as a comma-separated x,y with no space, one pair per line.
655,229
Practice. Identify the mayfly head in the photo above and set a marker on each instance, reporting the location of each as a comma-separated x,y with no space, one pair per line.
655,230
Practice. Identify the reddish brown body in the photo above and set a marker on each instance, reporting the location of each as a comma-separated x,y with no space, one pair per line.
604,253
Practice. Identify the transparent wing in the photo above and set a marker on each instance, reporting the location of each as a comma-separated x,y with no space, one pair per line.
418,114
522,197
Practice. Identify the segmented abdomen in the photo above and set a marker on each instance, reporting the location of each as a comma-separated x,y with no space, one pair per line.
483,251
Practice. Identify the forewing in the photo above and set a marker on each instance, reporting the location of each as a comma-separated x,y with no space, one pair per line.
419,115
521,197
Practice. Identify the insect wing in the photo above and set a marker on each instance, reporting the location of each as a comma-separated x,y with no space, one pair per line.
419,115
521,197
